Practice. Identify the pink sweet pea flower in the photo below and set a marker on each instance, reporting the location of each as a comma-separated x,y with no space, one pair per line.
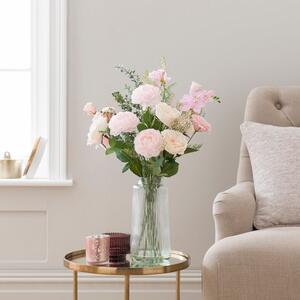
159,77
195,89
191,103
196,99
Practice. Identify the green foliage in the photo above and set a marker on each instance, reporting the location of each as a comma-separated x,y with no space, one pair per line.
166,92
217,99
123,149
169,169
131,74
142,126
147,117
122,101
192,148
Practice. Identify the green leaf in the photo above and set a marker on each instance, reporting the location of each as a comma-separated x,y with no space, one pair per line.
170,169
193,148
142,126
116,144
136,168
157,124
112,142
122,156
109,151
148,117
125,168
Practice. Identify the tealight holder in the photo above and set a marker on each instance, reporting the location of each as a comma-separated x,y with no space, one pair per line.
119,248
97,249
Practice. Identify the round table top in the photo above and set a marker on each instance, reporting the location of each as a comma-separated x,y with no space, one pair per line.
76,261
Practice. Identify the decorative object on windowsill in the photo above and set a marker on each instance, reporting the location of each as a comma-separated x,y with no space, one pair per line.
118,249
10,168
97,249
35,157
148,135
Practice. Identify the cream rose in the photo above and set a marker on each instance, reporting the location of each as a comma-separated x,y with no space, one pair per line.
175,142
166,113
96,130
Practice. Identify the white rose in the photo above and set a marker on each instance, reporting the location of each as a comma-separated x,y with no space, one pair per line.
166,113
175,142
98,126
146,95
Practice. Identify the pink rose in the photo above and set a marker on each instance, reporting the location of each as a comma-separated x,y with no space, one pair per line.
146,95
159,77
200,124
90,109
148,143
123,122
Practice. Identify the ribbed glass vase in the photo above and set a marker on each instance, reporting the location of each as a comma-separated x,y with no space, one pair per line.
150,232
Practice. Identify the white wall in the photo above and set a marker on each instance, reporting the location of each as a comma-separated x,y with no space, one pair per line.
231,46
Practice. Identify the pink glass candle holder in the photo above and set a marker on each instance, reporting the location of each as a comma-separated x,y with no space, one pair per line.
97,249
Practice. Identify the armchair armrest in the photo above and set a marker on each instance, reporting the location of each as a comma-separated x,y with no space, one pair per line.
234,210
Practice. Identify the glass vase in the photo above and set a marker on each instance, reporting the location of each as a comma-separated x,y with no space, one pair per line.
150,232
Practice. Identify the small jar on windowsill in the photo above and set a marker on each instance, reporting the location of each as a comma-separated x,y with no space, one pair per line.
10,168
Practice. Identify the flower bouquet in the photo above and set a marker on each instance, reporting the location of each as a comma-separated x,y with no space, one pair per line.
148,135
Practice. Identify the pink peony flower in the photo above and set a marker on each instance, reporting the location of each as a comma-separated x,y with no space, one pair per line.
200,124
159,77
90,109
196,99
148,143
146,95
123,122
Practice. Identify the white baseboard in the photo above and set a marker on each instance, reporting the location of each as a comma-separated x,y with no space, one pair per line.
51,284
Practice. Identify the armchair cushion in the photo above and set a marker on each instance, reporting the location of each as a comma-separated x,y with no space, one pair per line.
261,265
234,210
275,158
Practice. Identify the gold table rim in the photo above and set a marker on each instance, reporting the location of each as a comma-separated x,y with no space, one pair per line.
106,270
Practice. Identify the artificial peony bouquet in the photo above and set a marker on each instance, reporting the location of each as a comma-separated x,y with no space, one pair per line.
150,132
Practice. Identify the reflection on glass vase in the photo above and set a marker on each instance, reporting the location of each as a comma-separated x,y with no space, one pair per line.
150,232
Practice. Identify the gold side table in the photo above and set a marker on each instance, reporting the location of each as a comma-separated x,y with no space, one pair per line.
76,262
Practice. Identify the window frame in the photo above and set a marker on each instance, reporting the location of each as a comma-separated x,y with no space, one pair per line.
49,89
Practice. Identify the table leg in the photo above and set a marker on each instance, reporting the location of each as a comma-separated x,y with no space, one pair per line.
127,285
75,285
178,285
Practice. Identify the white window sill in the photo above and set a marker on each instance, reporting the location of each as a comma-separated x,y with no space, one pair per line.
36,182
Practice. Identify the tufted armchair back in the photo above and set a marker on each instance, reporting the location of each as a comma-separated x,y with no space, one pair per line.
269,105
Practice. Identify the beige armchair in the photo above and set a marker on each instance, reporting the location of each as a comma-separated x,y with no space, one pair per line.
247,264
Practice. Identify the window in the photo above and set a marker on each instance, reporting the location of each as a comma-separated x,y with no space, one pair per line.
33,81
